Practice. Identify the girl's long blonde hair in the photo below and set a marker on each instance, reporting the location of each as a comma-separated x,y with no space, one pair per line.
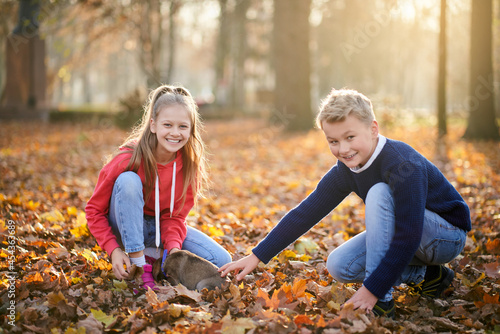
143,142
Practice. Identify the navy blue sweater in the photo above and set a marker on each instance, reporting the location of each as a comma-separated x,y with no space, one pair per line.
416,184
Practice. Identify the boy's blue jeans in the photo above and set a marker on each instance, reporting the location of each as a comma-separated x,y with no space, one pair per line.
135,231
358,257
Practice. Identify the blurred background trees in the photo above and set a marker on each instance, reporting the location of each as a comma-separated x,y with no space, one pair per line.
236,57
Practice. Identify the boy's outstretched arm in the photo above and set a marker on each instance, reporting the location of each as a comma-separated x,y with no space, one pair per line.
246,265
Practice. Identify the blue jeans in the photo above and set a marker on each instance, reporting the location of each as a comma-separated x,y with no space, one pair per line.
135,231
358,257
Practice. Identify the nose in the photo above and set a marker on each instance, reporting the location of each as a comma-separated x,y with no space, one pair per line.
175,131
343,147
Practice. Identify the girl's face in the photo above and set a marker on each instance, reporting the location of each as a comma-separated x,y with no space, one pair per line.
172,128
351,141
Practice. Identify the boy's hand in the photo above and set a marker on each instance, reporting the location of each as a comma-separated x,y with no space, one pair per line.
246,265
363,299
118,259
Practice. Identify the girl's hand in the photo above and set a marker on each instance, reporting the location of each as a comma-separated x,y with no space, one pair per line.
118,259
363,299
246,265
173,250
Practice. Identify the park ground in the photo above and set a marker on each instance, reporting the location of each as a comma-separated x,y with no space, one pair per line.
64,282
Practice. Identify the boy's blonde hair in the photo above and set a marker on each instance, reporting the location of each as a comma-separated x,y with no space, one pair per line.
341,103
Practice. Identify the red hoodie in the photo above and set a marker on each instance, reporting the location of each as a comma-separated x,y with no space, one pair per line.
173,229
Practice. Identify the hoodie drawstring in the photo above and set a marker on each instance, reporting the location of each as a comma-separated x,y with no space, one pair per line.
157,203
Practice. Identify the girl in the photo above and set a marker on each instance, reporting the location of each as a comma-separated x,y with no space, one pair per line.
145,192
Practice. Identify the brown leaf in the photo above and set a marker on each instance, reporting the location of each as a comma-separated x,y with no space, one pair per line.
91,325
181,290
492,269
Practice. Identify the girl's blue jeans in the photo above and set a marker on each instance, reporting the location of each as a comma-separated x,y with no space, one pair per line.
358,257
135,231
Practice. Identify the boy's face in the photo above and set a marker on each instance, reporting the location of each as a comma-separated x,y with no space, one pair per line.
351,141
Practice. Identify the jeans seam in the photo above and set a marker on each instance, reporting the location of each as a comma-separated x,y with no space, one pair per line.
347,271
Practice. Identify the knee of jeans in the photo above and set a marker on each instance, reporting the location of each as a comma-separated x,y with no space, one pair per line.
129,182
334,265
222,259
379,193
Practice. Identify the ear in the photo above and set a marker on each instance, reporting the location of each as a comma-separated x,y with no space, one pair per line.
374,129
152,126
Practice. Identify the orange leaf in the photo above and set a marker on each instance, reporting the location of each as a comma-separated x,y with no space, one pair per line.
493,246
491,299
302,319
299,287
320,322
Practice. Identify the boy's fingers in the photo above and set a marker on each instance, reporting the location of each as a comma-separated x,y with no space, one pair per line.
224,267
227,270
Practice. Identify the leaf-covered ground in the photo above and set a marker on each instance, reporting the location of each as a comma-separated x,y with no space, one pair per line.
55,279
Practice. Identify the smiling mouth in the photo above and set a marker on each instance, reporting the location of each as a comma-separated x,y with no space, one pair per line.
174,141
349,156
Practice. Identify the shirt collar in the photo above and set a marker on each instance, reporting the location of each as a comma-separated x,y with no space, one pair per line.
380,145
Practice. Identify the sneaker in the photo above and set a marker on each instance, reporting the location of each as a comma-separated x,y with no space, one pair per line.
436,280
149,260
384,309
147,277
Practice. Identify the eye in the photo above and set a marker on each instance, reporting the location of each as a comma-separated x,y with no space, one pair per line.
350,138
184,126
333,142
167,125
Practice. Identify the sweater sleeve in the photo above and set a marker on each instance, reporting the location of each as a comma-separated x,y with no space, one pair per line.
98,206
408,182
329,192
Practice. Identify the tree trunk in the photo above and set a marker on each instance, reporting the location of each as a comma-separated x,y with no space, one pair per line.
239,55
292,98
441,98
24,94
221,54
480,102
175,5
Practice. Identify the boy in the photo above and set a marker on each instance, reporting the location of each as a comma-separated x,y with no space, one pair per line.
415,219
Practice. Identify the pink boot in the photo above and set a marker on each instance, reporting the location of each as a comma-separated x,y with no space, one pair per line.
147,277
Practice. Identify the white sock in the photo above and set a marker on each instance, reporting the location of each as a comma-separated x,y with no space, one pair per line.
138,261
153,252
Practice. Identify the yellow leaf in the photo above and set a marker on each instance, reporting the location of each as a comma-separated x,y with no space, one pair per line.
305,245
103,317
89,255
286,254
333,305
238,326
54,298
32,205
215,232
176,310
81,229
15,200
305,258
293,185
120,285
75,280
72,211
54,216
